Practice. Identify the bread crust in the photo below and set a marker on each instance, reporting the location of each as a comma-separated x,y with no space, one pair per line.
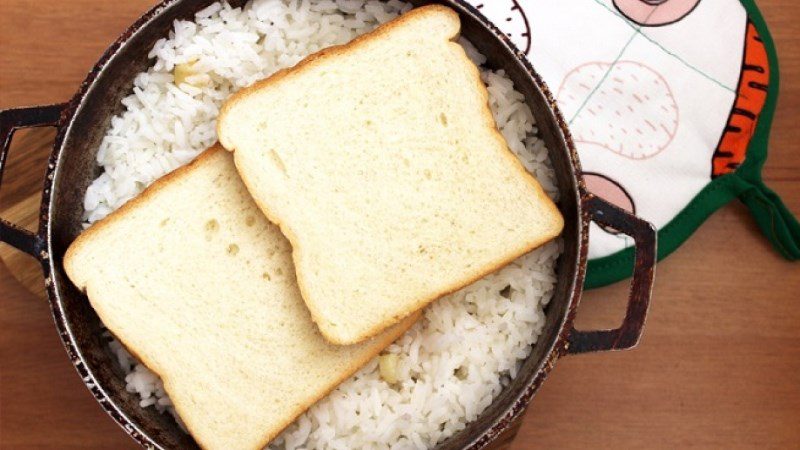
334,50
489,122
206,157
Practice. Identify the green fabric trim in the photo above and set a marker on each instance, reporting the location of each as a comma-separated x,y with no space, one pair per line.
618,266
771,215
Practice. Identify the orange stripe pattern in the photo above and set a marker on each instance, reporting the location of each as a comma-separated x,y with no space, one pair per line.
750,99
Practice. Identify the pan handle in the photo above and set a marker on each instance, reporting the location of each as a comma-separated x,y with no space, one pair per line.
644,236
10,121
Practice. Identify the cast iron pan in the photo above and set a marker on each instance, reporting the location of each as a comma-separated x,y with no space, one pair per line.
81,123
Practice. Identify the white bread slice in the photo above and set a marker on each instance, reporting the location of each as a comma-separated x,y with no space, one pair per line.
381,162
194,281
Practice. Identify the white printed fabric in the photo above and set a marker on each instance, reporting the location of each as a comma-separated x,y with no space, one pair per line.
648,88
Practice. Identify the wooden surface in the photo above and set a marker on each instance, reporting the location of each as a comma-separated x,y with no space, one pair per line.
719,365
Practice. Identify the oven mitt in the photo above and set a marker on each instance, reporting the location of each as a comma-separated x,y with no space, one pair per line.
669,103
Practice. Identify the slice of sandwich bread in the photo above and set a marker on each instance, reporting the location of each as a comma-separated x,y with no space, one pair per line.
194,281
382,164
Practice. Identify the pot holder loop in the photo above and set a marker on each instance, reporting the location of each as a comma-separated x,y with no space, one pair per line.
775,220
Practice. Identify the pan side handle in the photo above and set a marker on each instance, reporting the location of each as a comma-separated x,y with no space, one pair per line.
10,121
644,236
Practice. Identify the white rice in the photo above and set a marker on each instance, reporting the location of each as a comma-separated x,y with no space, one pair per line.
467,347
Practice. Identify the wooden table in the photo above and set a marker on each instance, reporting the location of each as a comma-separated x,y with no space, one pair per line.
719,365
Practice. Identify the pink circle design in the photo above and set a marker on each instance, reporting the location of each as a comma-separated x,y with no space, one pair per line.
632,113
655,13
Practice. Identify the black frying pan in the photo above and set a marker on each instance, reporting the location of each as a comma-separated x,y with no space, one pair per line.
82,122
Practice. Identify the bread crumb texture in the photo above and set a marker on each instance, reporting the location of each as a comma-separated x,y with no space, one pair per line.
193,279
382,164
